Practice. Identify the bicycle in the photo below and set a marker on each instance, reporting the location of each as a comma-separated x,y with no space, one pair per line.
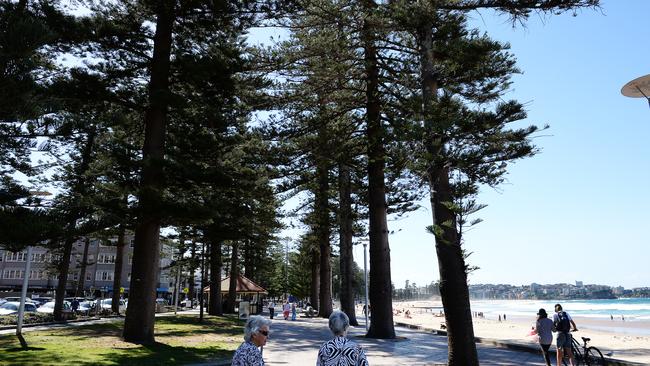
583,354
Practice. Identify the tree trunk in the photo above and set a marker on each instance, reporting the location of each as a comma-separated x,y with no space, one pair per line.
234,274
315,278
215,307
140,316
321,208
381,304
204,280
64,267
117,275
453,278
78,190
193,264
82,272
345,244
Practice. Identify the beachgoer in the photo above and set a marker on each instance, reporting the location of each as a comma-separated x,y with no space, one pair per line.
623,317
499,317
286,308
562,323
543,329
504,317
256,333
340,351
611,316
271,309
293,311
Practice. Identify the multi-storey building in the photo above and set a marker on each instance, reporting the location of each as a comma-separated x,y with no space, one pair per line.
98,274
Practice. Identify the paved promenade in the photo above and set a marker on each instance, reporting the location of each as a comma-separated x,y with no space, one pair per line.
297,343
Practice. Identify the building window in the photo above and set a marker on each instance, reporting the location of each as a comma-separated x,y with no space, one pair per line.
16,257
128,277
106,258
132,243
14,274
38,257
130,259
89,276
37,275
104,276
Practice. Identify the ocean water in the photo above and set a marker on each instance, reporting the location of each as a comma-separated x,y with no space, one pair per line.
637,309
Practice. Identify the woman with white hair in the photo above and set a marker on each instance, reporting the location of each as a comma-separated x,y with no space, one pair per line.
340,351
256,332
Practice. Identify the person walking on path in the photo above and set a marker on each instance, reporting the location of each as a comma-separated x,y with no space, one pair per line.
293,311
286,308
271,309
543,329
340,351
562,323
256,333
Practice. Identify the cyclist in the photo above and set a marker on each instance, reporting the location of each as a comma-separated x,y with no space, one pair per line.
563,322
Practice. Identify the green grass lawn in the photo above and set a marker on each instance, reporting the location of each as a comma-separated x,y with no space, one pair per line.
179,340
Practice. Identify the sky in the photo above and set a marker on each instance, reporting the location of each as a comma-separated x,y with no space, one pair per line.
579,209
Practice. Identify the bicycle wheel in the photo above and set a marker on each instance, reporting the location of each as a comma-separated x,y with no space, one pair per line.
594,357
578,358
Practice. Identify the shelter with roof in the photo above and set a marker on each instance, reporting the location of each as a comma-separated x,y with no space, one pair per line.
246,290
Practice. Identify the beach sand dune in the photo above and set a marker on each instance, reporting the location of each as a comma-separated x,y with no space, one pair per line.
618,339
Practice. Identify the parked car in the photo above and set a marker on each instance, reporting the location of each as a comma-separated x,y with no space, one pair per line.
84,305
48,307
108,303
11,307
17,299
41,300
187,303
2,301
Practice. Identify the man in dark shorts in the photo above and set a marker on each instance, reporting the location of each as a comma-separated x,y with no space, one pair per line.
563,323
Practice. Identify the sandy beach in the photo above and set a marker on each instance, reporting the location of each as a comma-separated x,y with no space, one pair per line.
624,340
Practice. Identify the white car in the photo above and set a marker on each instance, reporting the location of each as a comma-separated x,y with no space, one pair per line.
48,307
108,303
11,307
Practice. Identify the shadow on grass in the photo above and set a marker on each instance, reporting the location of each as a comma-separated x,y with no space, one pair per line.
163,354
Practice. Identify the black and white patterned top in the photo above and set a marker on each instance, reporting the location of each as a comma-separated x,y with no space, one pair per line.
341,351
247,355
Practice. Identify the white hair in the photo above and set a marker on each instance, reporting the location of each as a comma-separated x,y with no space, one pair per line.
253,326
339,323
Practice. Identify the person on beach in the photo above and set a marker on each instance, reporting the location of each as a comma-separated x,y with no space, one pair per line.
562,323
340,351
544,331
256,333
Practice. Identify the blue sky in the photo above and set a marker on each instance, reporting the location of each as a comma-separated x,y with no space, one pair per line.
579,209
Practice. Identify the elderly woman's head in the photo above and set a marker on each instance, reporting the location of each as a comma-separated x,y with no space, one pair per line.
256,330
339,323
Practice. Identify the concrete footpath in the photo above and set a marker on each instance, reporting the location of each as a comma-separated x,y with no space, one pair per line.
297,343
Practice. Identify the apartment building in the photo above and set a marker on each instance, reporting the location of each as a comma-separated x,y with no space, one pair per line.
98,274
